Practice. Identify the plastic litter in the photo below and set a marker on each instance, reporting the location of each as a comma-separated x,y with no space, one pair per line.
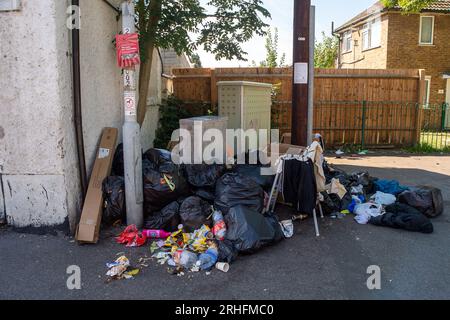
208,259
366,211
121,269
132,237
156,234
223,266
383,198
185,258
287,226
220,228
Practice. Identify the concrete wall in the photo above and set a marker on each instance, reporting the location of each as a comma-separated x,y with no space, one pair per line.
35,97
38,156
405,52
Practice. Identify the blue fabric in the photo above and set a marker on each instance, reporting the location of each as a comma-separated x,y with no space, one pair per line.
389,186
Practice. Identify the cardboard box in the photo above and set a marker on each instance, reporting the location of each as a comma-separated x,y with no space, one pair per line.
89,227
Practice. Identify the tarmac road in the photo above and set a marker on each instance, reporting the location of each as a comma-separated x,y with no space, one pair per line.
333,266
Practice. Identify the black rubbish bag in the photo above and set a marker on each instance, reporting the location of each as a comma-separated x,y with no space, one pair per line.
227,252
117,168
163,184
234,189
167,219
401,216
206,194
249,230
194,213
203,175
254,173
427,200
114,194
158,156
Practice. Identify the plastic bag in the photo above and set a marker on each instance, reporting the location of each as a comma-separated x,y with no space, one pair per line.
254,172
233,189
203,175
389,186
249,230
205,194
227,252
114,194
194,213
427,200
163,183
132,237
167,219
383,198
117,168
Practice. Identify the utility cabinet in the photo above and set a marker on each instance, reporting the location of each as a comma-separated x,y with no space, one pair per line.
247,105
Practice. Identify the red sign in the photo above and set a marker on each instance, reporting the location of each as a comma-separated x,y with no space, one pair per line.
127,50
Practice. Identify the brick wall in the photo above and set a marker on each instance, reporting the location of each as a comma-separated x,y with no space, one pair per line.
404,51
367,59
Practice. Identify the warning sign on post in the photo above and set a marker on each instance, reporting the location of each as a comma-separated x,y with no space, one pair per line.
130,103
300,73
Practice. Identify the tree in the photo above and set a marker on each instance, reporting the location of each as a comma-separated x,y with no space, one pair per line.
195,59
409,6
219,26
272,52
326,52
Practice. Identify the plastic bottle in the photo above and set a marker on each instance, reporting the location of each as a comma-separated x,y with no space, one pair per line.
220,228
156,234
185,258
208,259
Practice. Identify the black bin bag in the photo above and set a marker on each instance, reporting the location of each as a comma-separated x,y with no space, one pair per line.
163,181
114,195
234,189
194,213
249,230
167,219
203,175
254,172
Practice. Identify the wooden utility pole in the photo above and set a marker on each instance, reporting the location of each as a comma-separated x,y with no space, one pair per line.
301,59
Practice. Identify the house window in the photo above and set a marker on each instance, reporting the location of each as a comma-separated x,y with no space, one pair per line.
371,34
426,30
347,42
427,91
10,5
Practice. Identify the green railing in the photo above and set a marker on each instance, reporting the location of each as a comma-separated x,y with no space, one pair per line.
373,123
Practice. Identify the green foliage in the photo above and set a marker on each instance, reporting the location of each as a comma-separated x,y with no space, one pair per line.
272,52
427,148
195,59
171,111
408,6
326,52
219,26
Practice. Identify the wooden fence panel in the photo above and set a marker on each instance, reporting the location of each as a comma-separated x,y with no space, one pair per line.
390,118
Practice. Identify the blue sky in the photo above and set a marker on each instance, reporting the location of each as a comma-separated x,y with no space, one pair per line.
327,11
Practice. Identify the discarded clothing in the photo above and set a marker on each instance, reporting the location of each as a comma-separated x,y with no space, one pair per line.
299,185
427,200
383,198
401,216
315,153
336,187
365,211
389,186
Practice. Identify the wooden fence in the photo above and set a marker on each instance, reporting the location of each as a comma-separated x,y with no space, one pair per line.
375,107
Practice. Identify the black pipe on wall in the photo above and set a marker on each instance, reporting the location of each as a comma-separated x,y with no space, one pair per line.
78,119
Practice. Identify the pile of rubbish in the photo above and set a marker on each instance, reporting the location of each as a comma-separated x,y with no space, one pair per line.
380,202
197,216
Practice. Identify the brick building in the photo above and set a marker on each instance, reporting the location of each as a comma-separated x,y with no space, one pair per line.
381,38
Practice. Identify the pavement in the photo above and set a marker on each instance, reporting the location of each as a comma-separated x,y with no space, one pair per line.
332,266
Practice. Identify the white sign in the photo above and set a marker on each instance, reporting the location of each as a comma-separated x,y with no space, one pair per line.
301,73
130,103
103,153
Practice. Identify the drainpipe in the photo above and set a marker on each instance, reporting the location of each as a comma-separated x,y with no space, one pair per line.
338,36
77,106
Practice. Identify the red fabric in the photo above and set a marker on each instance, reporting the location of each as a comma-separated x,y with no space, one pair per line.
127,50
132,237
